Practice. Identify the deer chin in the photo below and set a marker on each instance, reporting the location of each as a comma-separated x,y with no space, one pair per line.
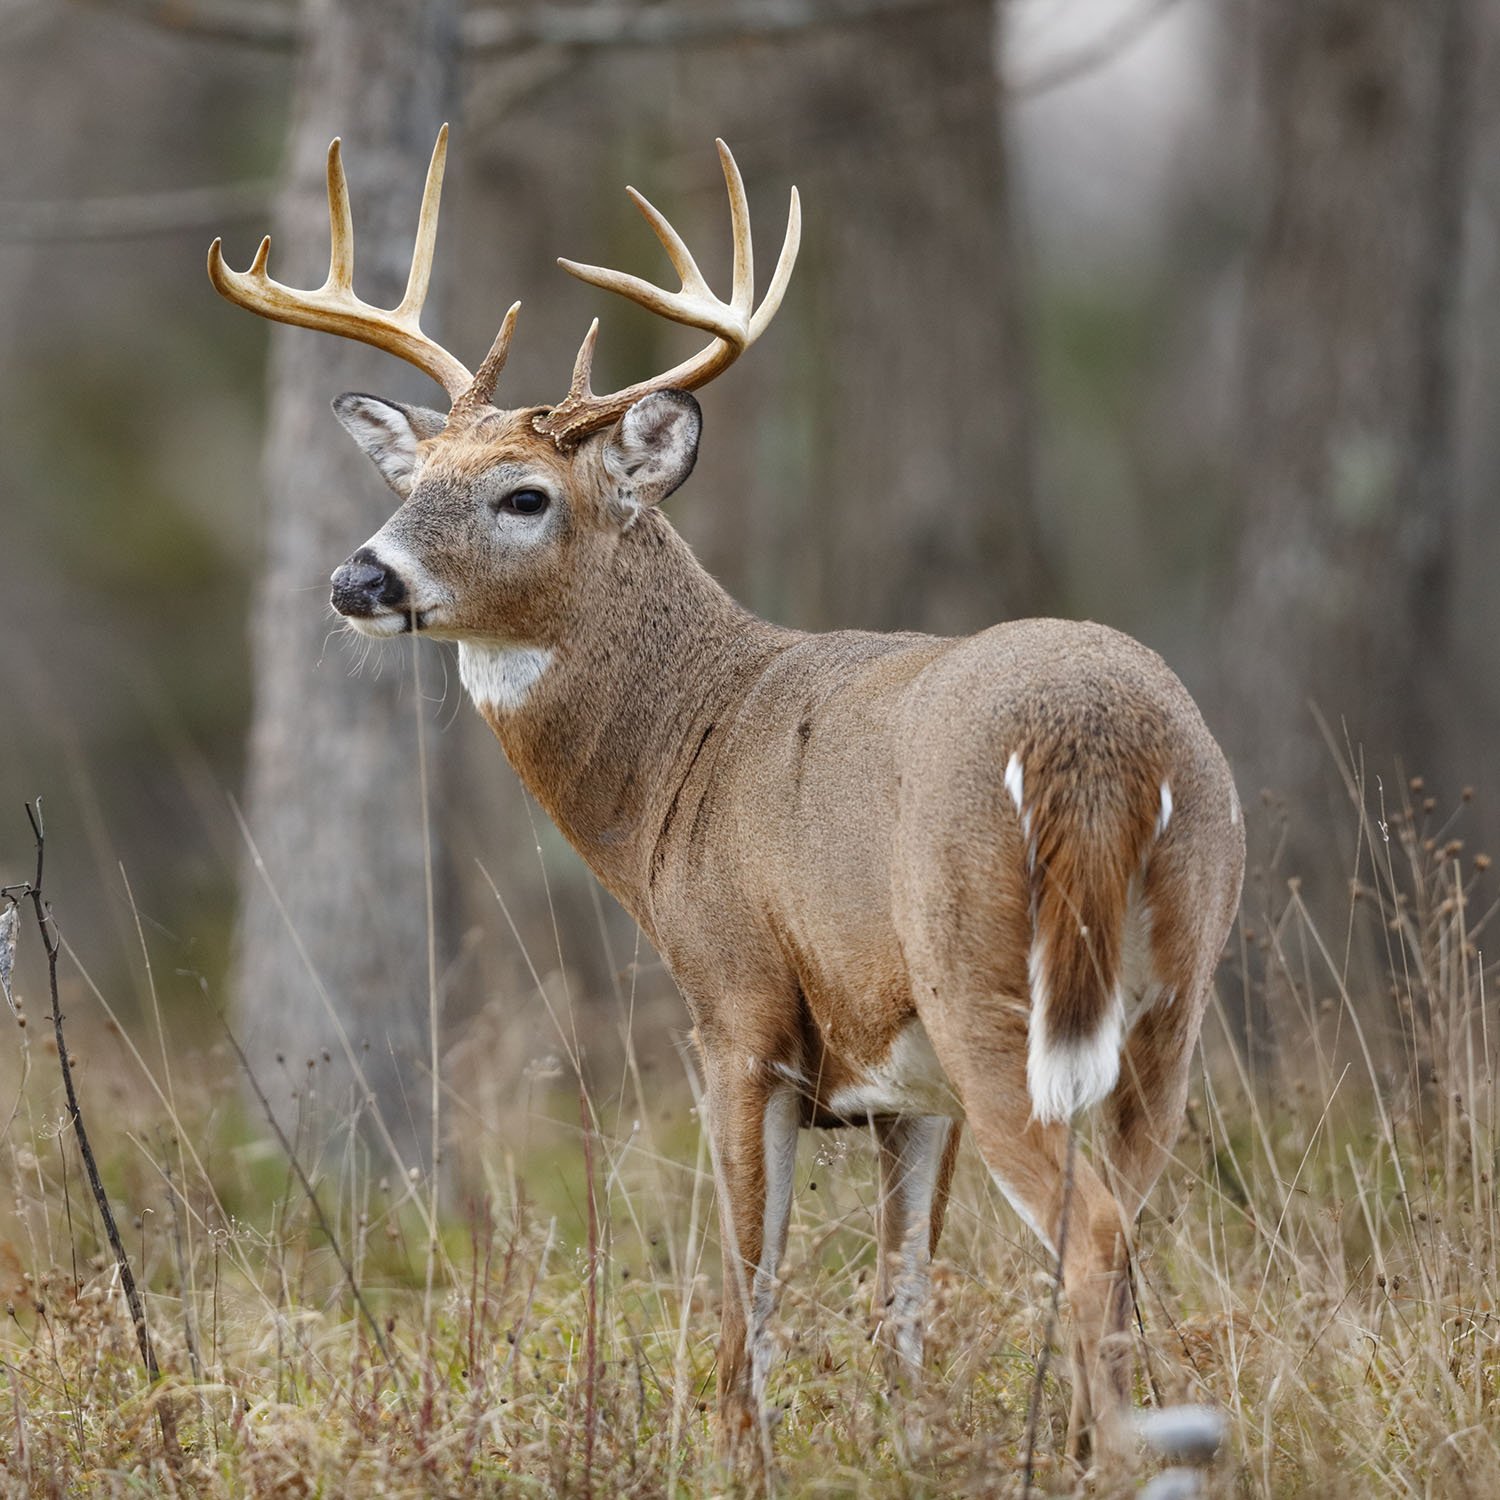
390,622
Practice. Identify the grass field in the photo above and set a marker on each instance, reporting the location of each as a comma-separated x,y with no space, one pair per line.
1320,1261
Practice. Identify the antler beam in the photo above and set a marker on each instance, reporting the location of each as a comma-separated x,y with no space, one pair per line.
333,307
735,324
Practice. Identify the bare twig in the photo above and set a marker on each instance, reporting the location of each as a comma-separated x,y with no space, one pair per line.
51,944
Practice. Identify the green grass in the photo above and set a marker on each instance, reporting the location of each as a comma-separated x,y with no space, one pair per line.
1319,1261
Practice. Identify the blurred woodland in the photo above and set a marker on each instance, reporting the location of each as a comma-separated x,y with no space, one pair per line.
1182,315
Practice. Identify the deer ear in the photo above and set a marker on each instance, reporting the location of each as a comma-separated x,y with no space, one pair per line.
389,432
653,448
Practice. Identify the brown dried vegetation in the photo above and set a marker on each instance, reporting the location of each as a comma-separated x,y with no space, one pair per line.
1320,1261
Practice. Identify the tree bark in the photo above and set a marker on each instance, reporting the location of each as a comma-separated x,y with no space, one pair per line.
1349,489
901,493
334,799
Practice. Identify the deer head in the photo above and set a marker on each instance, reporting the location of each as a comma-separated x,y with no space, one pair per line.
510,517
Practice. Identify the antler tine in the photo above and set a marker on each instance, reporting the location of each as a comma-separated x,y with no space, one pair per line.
736,324
704,311
488,373
672,242
583,364
742,297
427,222
333,307
340,223
771,302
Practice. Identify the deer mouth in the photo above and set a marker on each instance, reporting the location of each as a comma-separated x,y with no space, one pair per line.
386,622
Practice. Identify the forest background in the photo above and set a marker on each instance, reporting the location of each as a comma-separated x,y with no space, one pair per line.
1183,315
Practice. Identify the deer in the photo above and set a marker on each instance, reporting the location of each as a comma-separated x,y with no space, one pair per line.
903,882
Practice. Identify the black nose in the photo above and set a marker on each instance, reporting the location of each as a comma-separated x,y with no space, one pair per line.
364,584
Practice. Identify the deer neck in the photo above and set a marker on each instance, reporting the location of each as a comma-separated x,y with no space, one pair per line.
604,727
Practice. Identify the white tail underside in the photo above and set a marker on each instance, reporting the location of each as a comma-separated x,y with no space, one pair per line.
1064,1078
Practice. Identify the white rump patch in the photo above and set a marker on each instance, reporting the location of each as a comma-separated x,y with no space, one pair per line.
500,678
1066,1077
1165,815
1234,805
909,1080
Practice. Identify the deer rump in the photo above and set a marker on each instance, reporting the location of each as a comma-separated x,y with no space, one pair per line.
940,829
1037,765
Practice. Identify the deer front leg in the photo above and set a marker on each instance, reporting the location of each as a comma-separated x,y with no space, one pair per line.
753,1125
916,1165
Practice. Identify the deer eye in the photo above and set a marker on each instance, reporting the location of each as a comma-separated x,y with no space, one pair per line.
526,502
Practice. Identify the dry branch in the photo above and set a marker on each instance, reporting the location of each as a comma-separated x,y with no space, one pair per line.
51,945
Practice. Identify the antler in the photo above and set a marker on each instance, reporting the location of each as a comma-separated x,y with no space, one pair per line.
735,324
333,307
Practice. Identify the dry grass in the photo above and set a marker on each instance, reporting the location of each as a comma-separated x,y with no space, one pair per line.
1320,1261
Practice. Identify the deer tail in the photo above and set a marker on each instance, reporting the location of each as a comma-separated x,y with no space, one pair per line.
1087,842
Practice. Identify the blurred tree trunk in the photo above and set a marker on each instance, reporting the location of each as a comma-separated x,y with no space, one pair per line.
902,493
1344,564
334,798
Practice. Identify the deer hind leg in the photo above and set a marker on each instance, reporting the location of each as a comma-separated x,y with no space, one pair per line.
981,1042
753,1125
1066,1203
916,1166
1143,1116
1169,974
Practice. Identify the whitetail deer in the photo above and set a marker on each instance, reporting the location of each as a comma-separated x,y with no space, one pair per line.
901,881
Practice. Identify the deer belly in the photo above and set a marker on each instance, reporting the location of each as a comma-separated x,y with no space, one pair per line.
907,1080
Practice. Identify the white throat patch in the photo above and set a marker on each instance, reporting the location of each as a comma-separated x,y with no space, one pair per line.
500,678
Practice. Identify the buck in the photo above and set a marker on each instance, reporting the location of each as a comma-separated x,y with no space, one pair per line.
903,882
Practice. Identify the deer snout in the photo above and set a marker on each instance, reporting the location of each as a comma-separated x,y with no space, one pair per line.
365,586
